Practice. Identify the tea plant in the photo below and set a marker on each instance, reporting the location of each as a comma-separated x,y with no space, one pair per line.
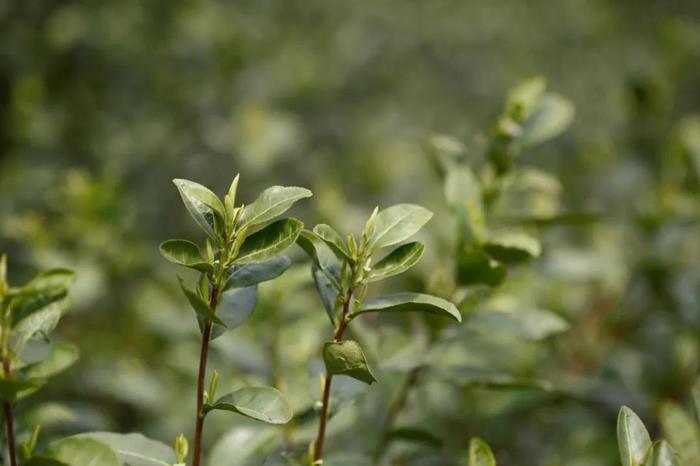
342,271
242,249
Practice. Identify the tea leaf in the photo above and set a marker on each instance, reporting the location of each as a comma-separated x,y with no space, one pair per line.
235,306
397,223
265,404
333,239
347,358
661,454
77,451
410,302
135,449
11,389
202,204
200,306
512,248
256,272
682,433
270,241
271,203
185,253
632,438
480,453
397,261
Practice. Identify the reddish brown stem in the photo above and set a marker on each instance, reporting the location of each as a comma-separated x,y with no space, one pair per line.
199,421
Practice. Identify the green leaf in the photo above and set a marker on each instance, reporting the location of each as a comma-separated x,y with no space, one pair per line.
240,276
333,239
632,438
347,358
42,321
410,302
265,404
682,433
185,253
512,247
396,224
415,435
271,203
76,451
49,280
200,306
530,324
474,266
270,241
525,96
63,356
463,195
472,377
322,255
327,291
661,454
397,261
11,389
234,308
552,115
480,453
135,449
202,204
696,398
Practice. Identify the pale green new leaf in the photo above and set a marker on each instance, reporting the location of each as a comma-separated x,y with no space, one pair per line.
397,261
135,449
396,224
410,302
185,253
632,438
480,453
661,454
682,433
202,204
270,241
265,404
552,115
347,358
271,203
333,239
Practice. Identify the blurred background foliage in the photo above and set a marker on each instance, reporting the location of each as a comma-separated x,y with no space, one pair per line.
102,103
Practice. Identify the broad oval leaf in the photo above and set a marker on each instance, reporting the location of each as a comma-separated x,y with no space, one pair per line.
43,321
322,256
265,404
661,454
529,324
256,272
271,203
410,302
682,433
63,356
76,451
270,241
480,453
397,261
245,445
512,247
397,223
202,204
11,389
135,449
235,306
333,239
552,115
632,438
185,253
200,306
475,266
347,358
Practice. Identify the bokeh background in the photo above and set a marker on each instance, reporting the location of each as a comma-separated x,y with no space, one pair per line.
103,102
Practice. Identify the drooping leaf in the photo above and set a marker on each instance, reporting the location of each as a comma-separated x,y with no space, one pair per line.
270,241
333,239
235,306
396,224
200,306
135,449
480,453
322,255
10,389
682,433
63,356
397,261
530,324
185,253
512,247
41,321
632,438
661,454
202,204
271,203
256,272
347,358
265,404
76,451
410,302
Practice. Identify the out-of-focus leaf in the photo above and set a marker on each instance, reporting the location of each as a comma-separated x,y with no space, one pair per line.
47,281
512,247
265,404
77,451
397,261
410,302
63,356
11,389
552,115
480,453
200,306
235,306
696,399
682,433
245,446
463,194
271,203
525,96
270,241
135,449
415,435
202,204
347,358
661,454
396,224
474,266
252,273
632,438
531,324
42,321
333,239
185,253
476,377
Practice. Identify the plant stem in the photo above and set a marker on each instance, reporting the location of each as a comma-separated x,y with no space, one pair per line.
7,406
320,439
199,421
